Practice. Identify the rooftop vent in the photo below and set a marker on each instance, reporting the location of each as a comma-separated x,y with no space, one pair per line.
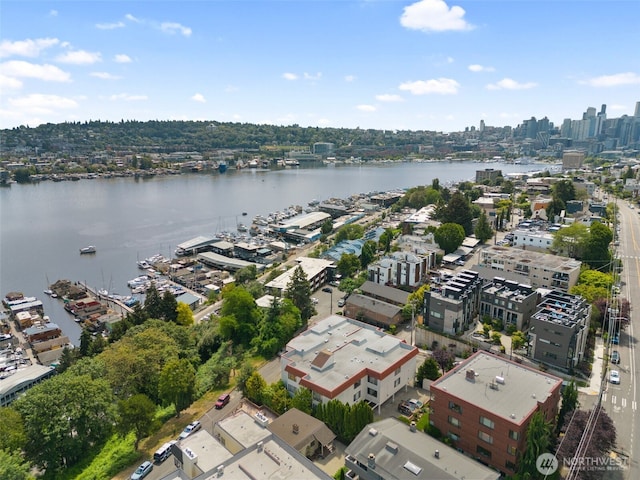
500,379
470,375
296,429
436,454
513,415
392,447
412,426
371,461
373,432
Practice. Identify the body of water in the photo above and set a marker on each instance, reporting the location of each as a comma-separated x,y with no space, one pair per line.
44,225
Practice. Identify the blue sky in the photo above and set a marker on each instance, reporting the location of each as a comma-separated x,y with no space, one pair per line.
421,65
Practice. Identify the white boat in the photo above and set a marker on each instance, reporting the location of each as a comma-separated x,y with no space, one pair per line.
48,292
143,265
89,249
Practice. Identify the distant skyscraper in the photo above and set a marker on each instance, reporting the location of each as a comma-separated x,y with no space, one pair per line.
482,121
637,113
603,109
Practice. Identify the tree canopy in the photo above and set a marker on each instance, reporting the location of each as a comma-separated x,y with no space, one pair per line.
457,210
299,292
483,230
449,236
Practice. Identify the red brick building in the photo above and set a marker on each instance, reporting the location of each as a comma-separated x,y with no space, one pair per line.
485,404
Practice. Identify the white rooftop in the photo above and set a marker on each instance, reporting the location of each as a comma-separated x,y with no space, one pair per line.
310,266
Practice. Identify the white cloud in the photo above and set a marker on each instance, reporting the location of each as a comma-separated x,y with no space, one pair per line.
80,57
289,76
46,72
37,103
127,97
109,26
481,68
105,76
628,78
173,28
434,16
9,83
388,97
510,84
131,18
309,76
122,58
350,78
53,13
366,108
198,97
26,48
442,86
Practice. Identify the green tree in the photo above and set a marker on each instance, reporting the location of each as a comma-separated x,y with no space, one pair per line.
184,315
569,404
240,316
246,274
137,414
385,240
85,343
153,302
13,467
169,307
352,231
449,236
483,230
177,383
254,388
299,292
457,210
538,442
327,227
571,240
64,417
246,371
368,253
518,340
555,207
12,434
564,190
428,370
302,400
22,175
348,264
596,252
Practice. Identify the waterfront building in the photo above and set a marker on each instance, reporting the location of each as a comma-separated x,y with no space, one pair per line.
559,328
527,267
572,160
508,301
317,271
15,384
347,360
484,406
392,450
489,174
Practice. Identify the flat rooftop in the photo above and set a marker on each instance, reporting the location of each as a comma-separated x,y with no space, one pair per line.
310,266
345,349
513,399
243,428
516,255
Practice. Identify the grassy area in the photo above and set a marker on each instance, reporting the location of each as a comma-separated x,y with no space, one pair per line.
423,422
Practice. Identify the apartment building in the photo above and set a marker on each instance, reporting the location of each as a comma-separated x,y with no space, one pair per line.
485,404
559,328
509,301
317,271
539,240
400,269
452,307
344,359
527,267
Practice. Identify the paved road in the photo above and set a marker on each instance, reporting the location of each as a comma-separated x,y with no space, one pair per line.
621,401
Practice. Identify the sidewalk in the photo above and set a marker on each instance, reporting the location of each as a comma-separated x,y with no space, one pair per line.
597,370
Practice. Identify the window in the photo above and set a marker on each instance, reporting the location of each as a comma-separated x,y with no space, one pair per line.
397,372
372,380
487,422
511,450
357,384
455,407
510,465
485,437
292,377
483,451
513,435
454,437
356,396
372,392
454,421
396,382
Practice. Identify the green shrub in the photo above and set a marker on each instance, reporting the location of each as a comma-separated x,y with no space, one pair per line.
433,431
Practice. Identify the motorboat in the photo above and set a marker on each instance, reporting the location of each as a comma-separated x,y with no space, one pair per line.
86,250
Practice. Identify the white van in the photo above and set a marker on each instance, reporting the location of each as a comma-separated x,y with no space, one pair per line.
163,452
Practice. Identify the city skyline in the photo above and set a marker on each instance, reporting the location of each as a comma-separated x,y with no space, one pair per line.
425,65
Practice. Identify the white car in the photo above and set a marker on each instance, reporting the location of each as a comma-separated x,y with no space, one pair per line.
614,377
189,429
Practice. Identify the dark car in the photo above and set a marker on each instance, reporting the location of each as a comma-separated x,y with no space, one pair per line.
615,357
405,408
142,471
222,400
327,289
616,339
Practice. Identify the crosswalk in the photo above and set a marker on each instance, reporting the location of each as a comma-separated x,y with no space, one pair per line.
619,402
632,257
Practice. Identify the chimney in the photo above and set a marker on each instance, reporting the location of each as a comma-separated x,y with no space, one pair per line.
295,428
371,461
437,454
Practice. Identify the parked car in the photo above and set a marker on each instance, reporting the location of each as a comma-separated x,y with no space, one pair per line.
616,339
222,400
327,289
314,300
341,302
415,403
405,409
615,357
189,429
142,471
614,377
